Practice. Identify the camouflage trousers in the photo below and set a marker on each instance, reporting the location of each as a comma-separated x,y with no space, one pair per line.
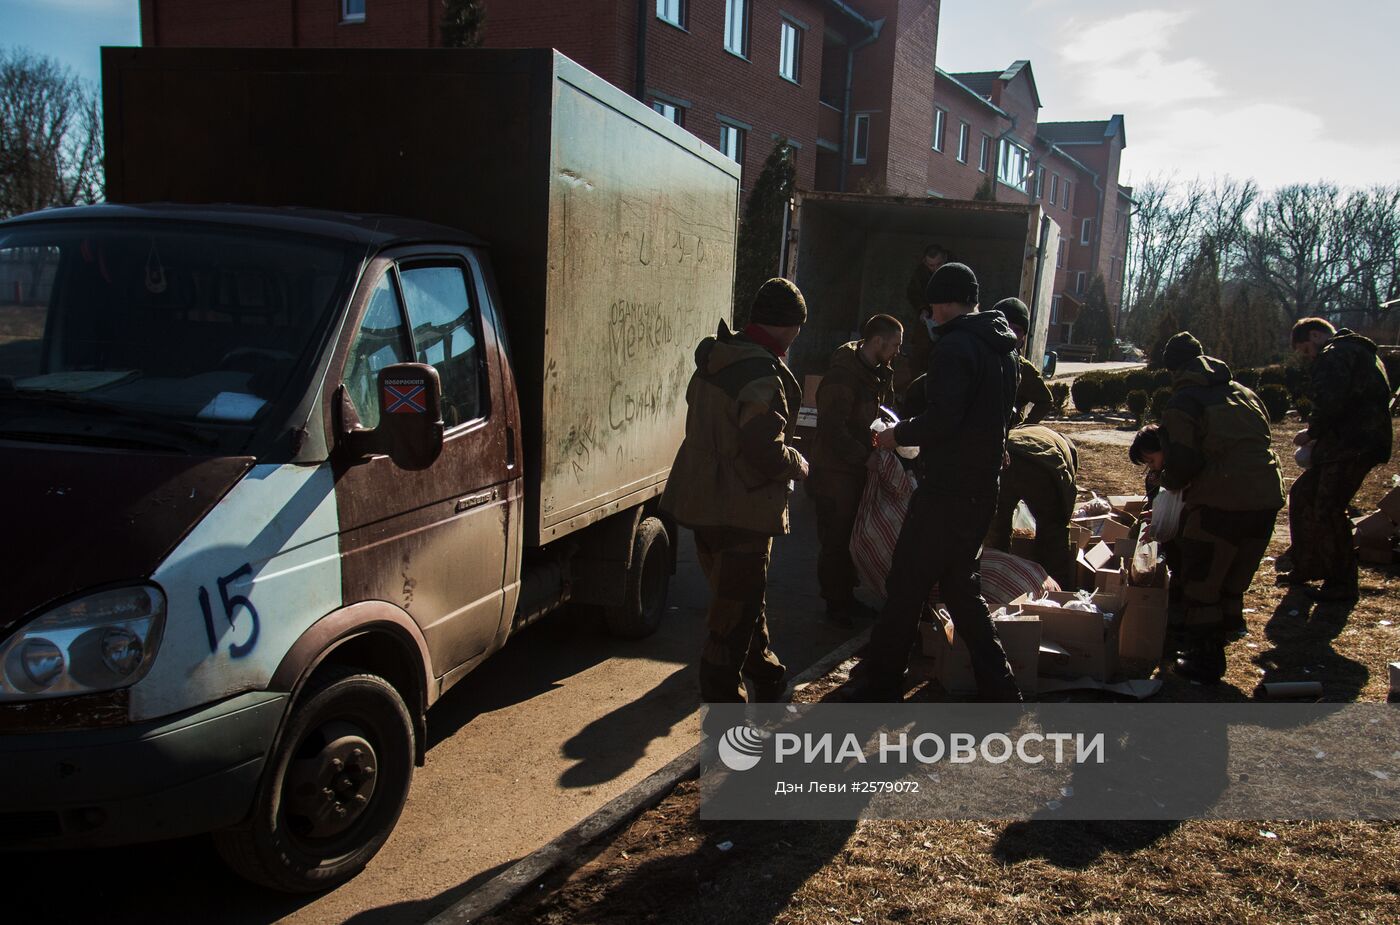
1220,552
1044,498
735,563
1317,520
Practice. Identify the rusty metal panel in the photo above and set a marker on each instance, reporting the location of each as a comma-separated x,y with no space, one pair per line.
642,223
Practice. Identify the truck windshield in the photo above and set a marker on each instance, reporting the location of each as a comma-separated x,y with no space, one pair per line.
163,334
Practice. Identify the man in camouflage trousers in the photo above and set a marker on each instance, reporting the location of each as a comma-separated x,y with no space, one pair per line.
1044,466
1218,453
731,481
1350,430
856,385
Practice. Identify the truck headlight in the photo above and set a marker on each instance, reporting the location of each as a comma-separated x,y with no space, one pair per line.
98,642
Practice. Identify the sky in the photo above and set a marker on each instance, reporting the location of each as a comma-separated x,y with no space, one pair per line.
1282,91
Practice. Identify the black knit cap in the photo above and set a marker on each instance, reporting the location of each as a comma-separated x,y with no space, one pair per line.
1017,315
1181,349
952,282
778,304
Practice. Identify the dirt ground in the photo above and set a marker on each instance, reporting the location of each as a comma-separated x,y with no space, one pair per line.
670,866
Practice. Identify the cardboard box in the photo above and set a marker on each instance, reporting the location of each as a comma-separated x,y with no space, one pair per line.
1374,529
1129,505
1089,639
1108,527
1080,537
1023,547
807,414
952,662
1101,568
1395,679
1376,554
1390,505
1142,632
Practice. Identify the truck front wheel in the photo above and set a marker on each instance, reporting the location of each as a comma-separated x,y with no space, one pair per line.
332,790
648,581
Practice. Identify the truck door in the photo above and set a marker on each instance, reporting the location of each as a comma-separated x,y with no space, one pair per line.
433,542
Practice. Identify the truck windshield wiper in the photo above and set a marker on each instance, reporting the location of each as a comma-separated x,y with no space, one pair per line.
69,401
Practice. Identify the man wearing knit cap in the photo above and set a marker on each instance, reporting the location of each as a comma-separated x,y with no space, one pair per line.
1218,453
970,389
1033,398
731,481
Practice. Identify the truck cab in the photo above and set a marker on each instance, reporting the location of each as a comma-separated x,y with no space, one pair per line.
261,457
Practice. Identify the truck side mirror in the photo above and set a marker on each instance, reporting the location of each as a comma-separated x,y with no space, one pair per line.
410,418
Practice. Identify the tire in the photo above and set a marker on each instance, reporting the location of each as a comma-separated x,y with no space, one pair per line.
648,583
299,840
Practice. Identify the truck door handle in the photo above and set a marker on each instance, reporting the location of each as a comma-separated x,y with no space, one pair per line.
478,499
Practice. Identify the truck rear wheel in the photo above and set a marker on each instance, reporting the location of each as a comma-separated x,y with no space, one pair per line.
648,582
332,790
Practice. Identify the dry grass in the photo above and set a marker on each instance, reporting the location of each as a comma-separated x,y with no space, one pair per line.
666,867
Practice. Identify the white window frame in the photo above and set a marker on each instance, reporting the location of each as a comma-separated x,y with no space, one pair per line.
731,142
964,141
984,158
1054,188
1005,164
1080,279
736,27
940,128
1060,255
1055,310
669,111
1066,192
347,16
859,156
1084,230
1040,182
667,9
790,52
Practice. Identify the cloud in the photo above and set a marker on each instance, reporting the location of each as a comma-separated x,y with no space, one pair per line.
1275,143
1120,38
1125,61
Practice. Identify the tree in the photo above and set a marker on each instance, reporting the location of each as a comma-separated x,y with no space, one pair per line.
462,23
761,230
50,136
1093,325
986,190
1167,325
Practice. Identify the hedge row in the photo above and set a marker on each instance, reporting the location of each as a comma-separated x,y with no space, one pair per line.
1146,391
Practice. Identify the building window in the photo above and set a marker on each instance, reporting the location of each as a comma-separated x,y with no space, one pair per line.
940,128
984,160
1055,310
1079,282
731,142
1066,202
860,139
1060,254
736,27
352,10
671,11
1039,182
790,53
1012,161
964,131
670,111
1054,188
1084,231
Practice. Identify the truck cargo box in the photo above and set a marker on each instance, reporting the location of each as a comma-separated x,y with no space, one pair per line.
611,229
852,254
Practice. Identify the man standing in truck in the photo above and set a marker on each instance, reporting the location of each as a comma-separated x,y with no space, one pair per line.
913,362
731,481
970,386
857,383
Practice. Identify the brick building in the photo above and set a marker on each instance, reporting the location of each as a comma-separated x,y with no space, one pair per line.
853,84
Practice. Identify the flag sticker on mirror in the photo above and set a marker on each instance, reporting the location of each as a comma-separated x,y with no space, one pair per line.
404,396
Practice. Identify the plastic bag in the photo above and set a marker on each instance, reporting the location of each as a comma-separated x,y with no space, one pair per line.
880,425
1303,456
1166,515
1023,521
1094,507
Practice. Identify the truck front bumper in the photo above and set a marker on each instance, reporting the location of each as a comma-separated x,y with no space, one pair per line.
167,778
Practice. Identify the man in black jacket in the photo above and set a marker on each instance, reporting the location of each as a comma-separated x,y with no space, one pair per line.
971,389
